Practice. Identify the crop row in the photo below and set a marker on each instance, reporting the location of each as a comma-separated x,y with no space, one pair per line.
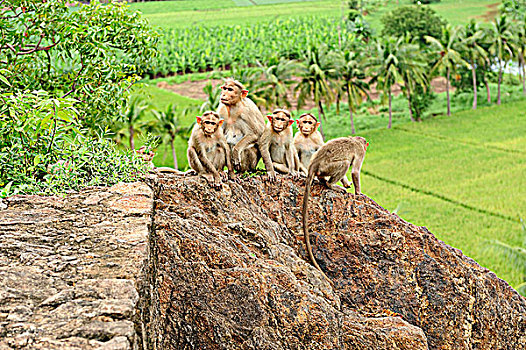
201,48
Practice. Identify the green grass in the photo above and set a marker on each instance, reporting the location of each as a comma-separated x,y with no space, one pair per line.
176,14
461,176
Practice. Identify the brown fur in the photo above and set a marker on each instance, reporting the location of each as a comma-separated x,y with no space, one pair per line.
243,125
208,152
307,141
332,161
276,145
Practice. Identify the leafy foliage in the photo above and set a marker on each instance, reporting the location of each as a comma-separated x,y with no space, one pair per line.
64,77
416,21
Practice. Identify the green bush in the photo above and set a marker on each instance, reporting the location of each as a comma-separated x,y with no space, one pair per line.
418,21
64,77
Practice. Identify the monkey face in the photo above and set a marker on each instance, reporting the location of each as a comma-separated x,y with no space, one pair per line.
146,155
280,121
307,125
232,93
209,123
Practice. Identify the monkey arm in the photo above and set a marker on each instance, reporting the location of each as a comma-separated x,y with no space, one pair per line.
244,143
282,168
207,164
265,154
231,174
290,152
296,159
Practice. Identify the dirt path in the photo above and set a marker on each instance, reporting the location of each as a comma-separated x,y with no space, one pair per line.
194,89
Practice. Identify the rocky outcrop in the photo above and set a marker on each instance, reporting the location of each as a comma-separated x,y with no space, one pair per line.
70,267
229,271
188,267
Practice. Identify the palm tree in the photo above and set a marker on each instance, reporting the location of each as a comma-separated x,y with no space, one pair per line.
213,98
502,46
353,78
167,122
448,57
412,67
274,83
136,108
520,46
471,39
385,65
314,71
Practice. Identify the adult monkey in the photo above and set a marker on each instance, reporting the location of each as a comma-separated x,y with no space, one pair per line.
243,125
308,140
332,161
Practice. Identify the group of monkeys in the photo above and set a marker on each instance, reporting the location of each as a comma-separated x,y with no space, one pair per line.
236,136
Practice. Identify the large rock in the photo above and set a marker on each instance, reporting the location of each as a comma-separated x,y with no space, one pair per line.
70,268
228,270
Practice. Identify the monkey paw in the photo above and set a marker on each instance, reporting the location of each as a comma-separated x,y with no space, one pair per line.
271,176
295,175
339,189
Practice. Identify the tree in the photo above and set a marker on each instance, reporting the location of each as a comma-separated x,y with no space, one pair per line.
446,55
502,47
167,123
213,98
135,110
471,39
64,77
353,79
314,71
417,21
514,8
91,54
520,47
274,83
412,68
386,64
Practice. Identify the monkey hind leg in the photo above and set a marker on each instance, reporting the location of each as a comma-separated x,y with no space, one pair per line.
194,162
249,160
337,173
281,168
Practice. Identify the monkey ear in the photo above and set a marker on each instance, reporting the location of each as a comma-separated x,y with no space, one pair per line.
297,121
269,117
220,122
198,118
244,93
291,121
318,125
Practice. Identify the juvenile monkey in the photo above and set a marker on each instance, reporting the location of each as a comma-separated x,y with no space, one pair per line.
333,160
243,125
208,151
276,145
147,155
308,140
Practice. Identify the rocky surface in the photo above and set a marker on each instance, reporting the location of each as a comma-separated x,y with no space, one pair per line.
229,271
69,268
188,267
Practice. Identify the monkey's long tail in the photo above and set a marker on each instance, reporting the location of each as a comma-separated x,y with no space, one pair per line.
306,234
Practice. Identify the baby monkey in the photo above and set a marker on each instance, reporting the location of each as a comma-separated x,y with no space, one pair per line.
276,145
308,140
208,151
330,164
